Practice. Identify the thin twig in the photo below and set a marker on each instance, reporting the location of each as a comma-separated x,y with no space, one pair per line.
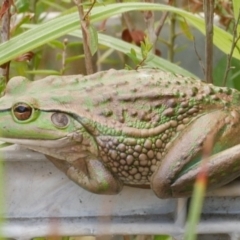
149,19
162,20
84,23
208,12
89,10
198,56
140,64
160,26
161,23
234,43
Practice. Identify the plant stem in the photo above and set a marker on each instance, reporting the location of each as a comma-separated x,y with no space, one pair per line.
172,38
161,24
84,23
64,56
5,34
208,12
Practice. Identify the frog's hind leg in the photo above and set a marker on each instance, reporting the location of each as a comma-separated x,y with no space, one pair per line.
175,176
90,174
221,168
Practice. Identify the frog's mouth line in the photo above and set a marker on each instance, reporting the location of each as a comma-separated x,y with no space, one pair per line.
57,143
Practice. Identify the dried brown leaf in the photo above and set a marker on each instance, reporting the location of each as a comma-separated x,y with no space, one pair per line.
25,57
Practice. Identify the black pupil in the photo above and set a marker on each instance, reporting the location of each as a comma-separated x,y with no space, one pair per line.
22,109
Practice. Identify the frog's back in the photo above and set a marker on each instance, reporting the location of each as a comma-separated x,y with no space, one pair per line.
144,99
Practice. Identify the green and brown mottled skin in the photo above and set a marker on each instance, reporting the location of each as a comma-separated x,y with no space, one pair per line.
141,128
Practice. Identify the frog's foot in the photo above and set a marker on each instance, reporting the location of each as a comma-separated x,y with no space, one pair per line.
176,175
90,174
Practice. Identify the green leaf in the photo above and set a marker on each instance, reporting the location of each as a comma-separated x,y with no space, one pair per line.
125,47
3,83
73,44
233,75
133,53
43,72
146,47
133,56
185,29
236,8
74,58
22,5
62,25
56,44
92,39
53,5
221,38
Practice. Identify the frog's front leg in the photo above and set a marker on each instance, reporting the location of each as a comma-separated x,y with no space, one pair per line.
176,175
90,174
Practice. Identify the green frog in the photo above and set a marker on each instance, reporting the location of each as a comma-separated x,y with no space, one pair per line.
143,128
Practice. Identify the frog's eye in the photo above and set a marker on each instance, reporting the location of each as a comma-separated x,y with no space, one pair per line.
60,120
22,111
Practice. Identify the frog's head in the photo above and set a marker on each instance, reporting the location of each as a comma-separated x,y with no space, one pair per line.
32,115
